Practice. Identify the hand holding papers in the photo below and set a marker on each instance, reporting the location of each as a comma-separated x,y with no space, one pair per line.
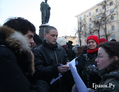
60,75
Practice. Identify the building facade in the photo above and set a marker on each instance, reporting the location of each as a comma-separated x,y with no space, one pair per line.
101,20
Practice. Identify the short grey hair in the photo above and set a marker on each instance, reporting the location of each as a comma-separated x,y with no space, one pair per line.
49,28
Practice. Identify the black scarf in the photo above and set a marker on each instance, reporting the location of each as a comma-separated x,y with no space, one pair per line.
52,46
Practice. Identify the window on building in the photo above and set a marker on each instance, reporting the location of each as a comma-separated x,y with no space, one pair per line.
111,10
113,36
89,13
111,3
85,21
84,27
90,25
80,23
96,10
80,28
103,7
84,16
85,34
85,42
113,28
112,17
90,19
104,30
81,36
97,16
80,18
103,14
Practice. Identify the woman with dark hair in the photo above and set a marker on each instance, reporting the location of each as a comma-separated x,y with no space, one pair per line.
108,65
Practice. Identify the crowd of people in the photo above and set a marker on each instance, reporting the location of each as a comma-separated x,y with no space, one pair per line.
28,64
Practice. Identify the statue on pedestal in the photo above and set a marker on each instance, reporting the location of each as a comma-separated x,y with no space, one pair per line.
45,16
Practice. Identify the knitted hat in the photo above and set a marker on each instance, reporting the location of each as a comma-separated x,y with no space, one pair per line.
37,39
61,41
70,42
93,37
101,40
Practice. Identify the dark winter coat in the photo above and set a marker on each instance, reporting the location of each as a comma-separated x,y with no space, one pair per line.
14,69
87,68
70,53
47,58
111,80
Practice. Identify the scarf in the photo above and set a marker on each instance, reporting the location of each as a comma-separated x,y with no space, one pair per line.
92,51
52,46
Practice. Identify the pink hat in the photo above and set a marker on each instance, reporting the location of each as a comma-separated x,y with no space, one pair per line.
101,40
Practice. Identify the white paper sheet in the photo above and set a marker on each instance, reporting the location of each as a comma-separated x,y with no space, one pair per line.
79,82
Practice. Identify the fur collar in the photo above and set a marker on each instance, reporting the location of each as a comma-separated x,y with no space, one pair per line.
14,39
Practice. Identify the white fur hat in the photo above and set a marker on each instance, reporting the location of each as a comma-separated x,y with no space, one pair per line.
61,41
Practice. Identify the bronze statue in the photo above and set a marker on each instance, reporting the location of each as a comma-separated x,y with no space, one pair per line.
45,12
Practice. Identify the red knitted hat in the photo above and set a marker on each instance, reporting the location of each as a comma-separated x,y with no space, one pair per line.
93,37
101,40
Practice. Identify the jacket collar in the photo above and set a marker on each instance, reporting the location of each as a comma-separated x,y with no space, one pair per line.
53,46
18,43
13,39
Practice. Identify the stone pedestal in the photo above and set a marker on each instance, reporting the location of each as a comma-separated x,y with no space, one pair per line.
42,29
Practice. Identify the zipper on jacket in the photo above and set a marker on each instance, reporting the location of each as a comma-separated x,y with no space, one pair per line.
56,57
57,64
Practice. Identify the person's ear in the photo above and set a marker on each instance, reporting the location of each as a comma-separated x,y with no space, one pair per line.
115,58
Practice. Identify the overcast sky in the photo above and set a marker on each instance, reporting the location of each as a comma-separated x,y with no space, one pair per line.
62,16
